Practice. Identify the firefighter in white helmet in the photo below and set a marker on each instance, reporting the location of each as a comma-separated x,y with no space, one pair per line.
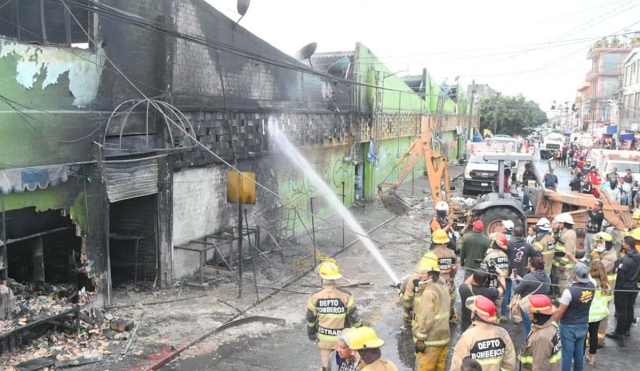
485,342
330,310
443,222
545,243
566,240
431,327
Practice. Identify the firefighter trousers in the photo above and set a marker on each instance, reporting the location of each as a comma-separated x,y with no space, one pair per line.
325,353
433,359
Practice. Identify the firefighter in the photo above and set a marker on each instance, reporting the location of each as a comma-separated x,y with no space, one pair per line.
330,310
367,344
497,256
565,242
412,289
543,347
604,252
448,265
443,222
485,342
545,243
431,326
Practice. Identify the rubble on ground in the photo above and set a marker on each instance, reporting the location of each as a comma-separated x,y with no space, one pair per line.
76,342
465,202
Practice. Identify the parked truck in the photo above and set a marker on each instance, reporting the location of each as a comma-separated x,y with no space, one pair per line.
552,142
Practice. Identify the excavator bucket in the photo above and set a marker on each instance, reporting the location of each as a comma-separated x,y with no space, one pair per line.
395,204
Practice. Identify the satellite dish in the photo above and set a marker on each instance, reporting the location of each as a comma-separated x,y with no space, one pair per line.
339,67
307,51
243,6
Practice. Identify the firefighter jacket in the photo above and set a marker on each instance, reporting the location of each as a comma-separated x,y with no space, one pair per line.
412,293
379,365
599,309
330,310
488,344
432,315
543,349
566,241
447,261
500,258
546,245
609,259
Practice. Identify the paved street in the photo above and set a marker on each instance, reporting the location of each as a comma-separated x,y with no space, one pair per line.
272,348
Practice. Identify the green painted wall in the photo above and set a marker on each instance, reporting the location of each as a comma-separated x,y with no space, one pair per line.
388,152
296,189
46,90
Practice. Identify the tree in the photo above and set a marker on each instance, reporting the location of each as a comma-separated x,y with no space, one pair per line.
513,115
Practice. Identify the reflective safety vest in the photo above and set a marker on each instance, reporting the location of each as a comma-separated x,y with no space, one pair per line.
600,306
561,260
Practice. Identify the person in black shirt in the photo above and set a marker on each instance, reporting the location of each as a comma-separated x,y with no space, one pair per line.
587,187
627,282
476,284
594,225
576,183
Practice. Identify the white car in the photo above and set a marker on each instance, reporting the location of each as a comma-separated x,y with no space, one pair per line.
481,174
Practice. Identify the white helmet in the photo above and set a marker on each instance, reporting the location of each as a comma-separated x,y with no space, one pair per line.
543,223
442,206
565,218
508,225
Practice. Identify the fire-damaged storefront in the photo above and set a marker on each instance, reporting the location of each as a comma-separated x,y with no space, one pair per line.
50,247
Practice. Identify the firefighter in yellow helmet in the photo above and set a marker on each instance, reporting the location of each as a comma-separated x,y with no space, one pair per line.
483,341
448,264
431,327
566,240
330,310
543,347
411,290
367,344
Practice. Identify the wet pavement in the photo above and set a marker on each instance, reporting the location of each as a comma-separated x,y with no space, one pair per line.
402,242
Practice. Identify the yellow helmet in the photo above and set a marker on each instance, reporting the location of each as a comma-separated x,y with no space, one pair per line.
440,236
636,214
329,271
428,263
363,338
603,236
636,234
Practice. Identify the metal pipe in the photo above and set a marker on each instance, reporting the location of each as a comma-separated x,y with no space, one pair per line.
343,197
5,271
240,247
253,261
313,234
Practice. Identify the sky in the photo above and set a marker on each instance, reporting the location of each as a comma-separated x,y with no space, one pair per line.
535,48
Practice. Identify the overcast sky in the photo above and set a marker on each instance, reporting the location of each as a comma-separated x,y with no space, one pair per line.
535,48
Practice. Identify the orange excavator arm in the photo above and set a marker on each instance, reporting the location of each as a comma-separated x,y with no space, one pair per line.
436,168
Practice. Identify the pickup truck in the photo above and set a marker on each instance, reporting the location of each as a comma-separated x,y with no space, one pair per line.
481,174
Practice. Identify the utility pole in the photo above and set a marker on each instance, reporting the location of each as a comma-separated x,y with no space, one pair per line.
473,95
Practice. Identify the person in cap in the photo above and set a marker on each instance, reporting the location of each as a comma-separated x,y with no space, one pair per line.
479,284
431,327
474,247
594,225
626,288
497,256
485,342
366,344
566,240
573,315
329,311
505,227
544,243
343,358
543,348
448,264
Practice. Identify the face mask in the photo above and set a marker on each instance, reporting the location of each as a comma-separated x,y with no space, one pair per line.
600,247
441,213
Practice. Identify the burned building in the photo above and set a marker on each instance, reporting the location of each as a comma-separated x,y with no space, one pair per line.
120,119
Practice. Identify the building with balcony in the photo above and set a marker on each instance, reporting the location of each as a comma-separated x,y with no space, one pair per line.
601,96
631,92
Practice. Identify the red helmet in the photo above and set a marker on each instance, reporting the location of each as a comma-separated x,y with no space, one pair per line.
537,304
483,308
501,240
